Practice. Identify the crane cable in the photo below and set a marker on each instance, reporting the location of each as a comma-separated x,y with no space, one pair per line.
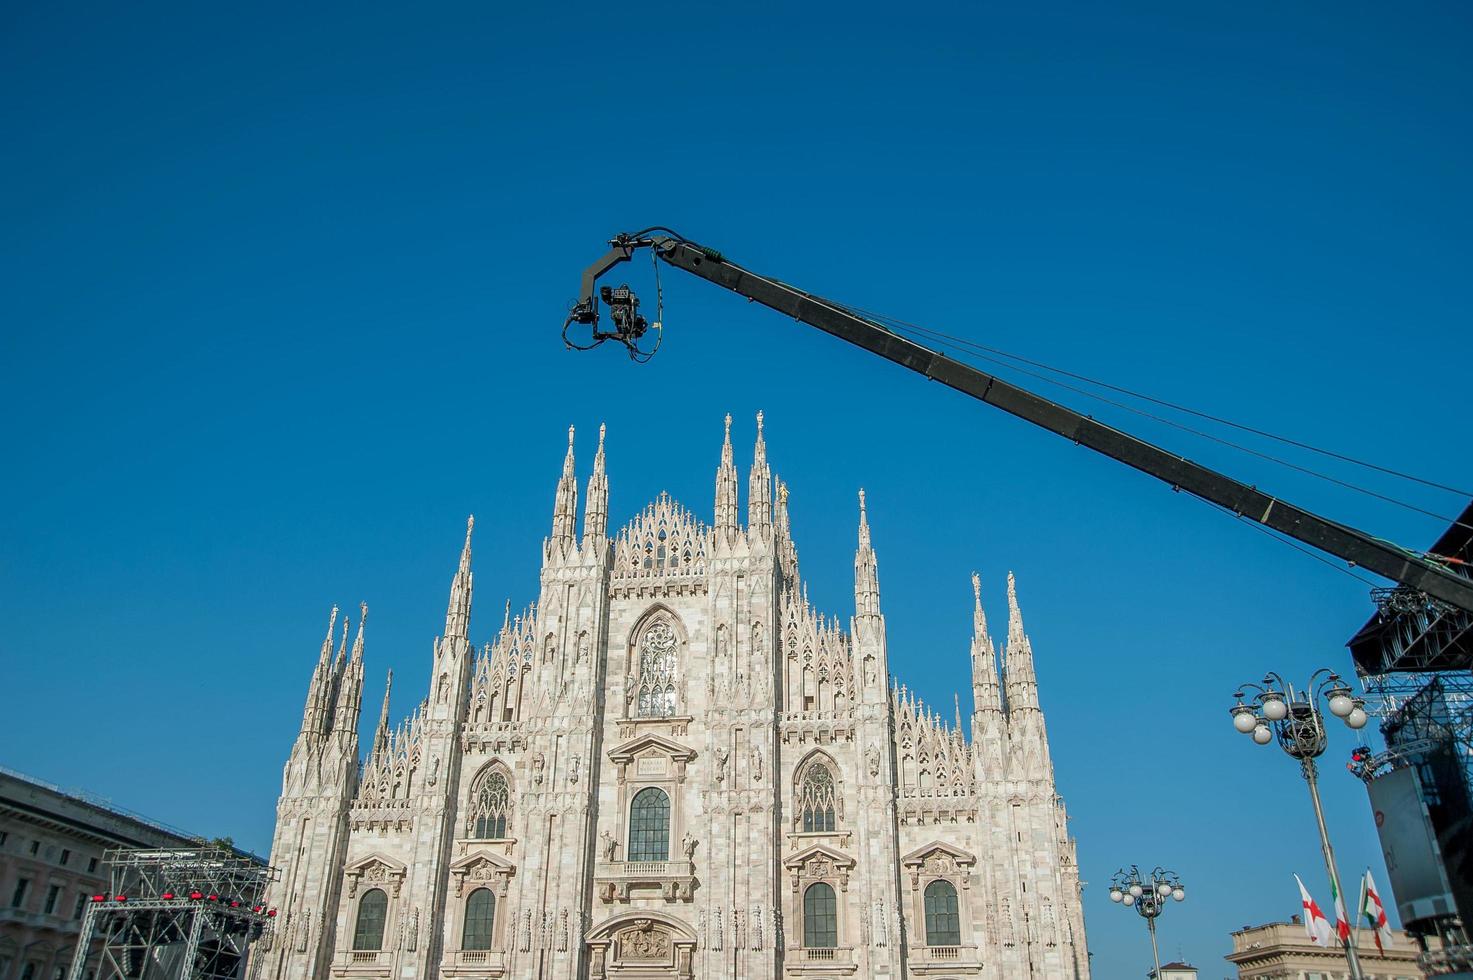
902,324
1197,432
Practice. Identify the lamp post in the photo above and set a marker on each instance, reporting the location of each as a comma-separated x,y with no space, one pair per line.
1148,895
1276,709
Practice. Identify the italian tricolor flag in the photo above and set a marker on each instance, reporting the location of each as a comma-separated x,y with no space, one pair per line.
1342,921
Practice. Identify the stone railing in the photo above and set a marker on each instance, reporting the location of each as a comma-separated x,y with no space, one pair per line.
931,959
674,879
821,961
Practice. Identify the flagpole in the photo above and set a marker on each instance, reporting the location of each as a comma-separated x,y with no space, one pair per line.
1360,907
1311,776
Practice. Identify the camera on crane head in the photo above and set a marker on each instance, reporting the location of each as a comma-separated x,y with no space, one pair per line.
623,306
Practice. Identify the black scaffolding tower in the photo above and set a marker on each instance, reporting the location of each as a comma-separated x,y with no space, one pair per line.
182,914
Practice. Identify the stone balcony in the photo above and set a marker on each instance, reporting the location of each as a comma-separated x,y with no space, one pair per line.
363,963
614,880
474,963
819,962
926,960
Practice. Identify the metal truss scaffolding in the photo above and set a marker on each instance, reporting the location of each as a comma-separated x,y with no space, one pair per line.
186,914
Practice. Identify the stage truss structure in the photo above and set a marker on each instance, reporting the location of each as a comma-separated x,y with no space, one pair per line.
177,914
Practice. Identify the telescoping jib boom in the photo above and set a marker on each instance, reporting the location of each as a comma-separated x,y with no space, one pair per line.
1352,545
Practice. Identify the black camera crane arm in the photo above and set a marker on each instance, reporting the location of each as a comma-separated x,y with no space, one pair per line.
1340,540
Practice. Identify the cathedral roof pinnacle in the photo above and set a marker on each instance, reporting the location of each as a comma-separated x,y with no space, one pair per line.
332,622
358,640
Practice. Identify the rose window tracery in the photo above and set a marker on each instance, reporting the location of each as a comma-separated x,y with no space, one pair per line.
657,669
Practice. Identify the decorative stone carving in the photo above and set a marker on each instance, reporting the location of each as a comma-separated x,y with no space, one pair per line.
644,941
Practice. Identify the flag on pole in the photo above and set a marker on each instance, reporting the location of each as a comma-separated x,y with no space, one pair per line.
1316,926
1374,911
1342,921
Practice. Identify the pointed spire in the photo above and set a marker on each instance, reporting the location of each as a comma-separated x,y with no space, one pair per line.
381,733
565,509
726,490
956,702
986,693
1022,685
781,511
596,511
358,640
332,622
866,570
458,613
759,488
342,656
319,690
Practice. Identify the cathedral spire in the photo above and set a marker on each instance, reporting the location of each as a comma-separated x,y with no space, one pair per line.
565,509
314,715
1022,685
358,640
986,695
381,733
759,489
349,698
458,613
866,570
596,510
726,490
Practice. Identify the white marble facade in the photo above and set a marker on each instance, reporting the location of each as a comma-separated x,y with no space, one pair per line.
673,766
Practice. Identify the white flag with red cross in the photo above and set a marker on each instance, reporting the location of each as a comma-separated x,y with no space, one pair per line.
1318,928
1374,911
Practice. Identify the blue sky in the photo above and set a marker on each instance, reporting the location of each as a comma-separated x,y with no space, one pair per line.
281,295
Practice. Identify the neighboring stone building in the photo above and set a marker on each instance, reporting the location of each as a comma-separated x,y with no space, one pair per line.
673,766
51,861
1175,971
1282,951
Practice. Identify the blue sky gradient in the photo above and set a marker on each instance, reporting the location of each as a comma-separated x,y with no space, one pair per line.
281,292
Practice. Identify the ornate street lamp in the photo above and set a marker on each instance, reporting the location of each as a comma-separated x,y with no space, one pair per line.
1276,709
1148,895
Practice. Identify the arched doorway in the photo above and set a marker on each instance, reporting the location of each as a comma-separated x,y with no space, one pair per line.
641,945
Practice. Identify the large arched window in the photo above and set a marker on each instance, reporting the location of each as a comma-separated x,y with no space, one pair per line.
490,807
820,917
943,924
657,649
373,907
817,799
649,826
480,916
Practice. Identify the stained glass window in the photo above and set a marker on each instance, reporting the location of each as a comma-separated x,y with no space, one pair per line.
372,908
649,826
491,805
656,695
480,916
943,925
820,917
817,799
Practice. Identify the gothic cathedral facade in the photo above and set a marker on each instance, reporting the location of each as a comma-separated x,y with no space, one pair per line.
672,766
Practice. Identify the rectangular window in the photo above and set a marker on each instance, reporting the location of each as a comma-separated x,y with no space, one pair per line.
52,894
29,972
22,888
35,847
91,865
66,855
81,907
4,836
59,973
